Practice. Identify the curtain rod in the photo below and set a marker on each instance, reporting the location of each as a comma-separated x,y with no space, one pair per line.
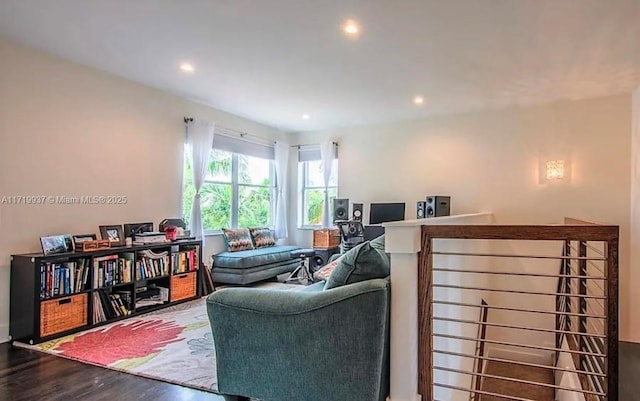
242,134
312,144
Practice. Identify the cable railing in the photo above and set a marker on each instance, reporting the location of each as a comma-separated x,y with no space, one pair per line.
480,360
551,332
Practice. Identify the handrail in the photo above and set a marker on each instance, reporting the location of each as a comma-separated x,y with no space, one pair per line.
579,306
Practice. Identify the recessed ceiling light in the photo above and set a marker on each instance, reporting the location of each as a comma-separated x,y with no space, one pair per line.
186,67
351,28
418,100
306,116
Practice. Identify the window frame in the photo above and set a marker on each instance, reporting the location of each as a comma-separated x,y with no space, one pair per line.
235,189
302,206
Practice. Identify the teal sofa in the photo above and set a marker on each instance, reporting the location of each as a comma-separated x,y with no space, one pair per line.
250,266
327,342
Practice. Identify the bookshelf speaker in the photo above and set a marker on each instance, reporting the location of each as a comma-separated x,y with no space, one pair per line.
357,212
437,206
340,209
421,210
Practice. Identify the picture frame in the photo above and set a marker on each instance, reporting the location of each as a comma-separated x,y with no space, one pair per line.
55,244
78,239
114,234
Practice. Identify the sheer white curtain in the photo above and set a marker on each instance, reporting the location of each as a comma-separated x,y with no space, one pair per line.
200,143
281,154
327,154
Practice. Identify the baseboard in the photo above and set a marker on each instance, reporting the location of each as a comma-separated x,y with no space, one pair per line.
418,397
539,357
4,333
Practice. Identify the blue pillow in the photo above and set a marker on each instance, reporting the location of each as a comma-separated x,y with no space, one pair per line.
363,262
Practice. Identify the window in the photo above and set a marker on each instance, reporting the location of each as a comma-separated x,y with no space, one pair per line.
313,196
239,190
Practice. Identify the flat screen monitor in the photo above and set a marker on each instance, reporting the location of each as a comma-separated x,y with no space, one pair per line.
384,212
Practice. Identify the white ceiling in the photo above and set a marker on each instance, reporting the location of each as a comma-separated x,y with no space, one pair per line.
274,60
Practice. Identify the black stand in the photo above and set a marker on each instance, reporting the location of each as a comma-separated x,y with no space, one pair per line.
303,273
351,234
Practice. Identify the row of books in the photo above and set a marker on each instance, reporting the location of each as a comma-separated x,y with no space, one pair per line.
185,261
152,264
66,278
113,270
110,306
63,278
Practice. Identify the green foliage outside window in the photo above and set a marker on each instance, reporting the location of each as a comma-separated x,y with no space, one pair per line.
313,191
254,200
315,206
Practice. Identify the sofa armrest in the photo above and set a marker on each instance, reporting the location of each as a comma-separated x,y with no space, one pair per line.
289,345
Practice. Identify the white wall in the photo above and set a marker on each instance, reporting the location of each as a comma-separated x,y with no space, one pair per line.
635,217
488,161
70,130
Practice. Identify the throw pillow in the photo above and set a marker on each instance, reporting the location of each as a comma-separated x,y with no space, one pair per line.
262,237
362,262
378,243
325,271
238,239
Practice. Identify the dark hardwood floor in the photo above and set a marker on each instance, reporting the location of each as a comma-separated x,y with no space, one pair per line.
629,372
30,375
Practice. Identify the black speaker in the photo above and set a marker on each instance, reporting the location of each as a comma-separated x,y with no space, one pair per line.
340,209
357,212
438,206
350,229
421,209
323,255
351,234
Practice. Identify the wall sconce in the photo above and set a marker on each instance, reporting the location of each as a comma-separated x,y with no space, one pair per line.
554,169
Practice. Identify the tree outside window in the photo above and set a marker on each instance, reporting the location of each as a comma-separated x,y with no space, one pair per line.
238,191
312,205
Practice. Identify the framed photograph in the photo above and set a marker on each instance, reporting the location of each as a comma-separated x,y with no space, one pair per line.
114,234
78,239
55,244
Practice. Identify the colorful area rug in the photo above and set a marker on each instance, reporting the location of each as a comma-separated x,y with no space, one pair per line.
172,345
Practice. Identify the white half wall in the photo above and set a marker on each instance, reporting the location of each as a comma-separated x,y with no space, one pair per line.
70,130
489,161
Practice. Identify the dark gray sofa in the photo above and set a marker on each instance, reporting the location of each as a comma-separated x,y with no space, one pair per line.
250,266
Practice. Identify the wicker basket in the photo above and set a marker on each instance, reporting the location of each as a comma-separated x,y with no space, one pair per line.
58,315
326,238
183,286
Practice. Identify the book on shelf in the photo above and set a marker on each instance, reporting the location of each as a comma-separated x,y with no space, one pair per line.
63,278
185,260
113,270
110,306
151,264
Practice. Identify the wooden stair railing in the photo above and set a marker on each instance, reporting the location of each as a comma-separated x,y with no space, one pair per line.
578,304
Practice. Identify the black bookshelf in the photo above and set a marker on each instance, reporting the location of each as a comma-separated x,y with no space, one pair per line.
44,311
